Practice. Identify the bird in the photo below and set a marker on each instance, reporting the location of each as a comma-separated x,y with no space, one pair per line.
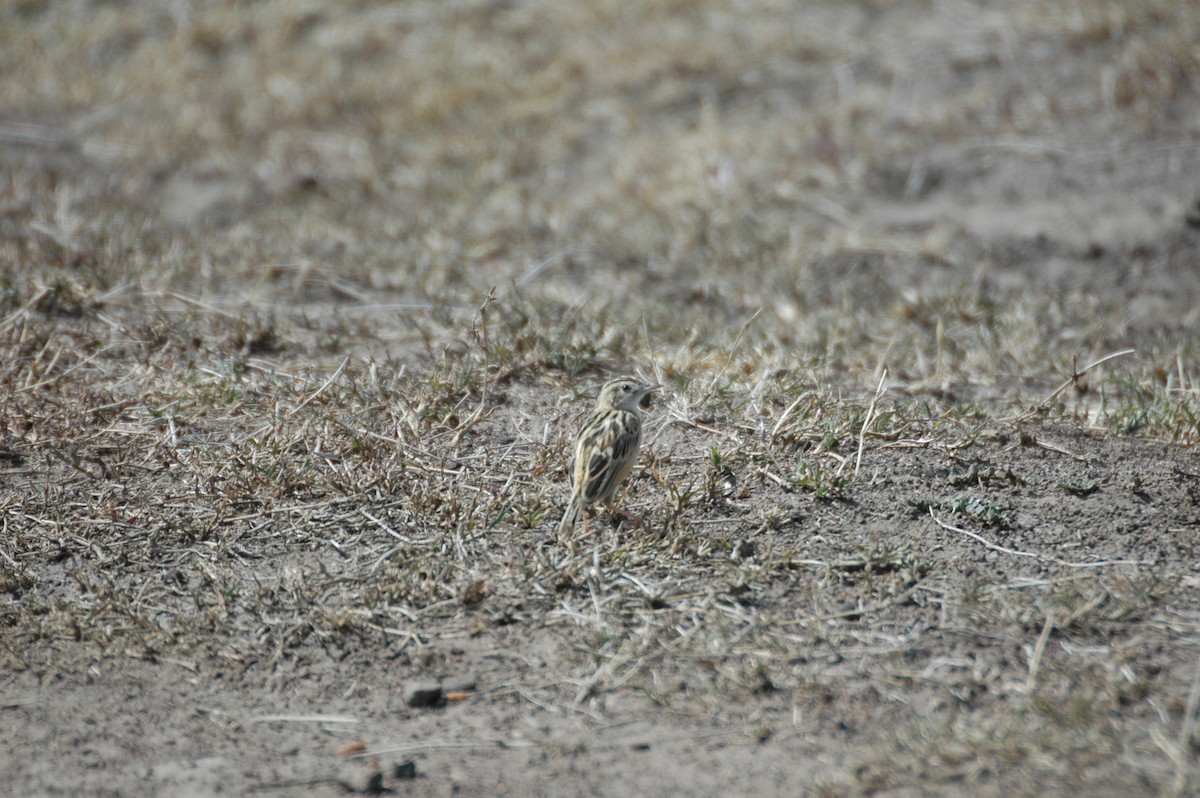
606,448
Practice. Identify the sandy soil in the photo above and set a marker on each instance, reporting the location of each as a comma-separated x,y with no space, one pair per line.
273,480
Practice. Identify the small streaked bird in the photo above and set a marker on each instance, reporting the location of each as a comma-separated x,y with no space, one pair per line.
606,449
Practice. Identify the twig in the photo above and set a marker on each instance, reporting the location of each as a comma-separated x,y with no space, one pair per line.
862,433
1035,661
550,261
377,522
1073,380
10,560
677,416
737,341
784,417
1033,555
56,377
438,745
21,311
658,377
1050,447
301,719
778,480
312,396
197,303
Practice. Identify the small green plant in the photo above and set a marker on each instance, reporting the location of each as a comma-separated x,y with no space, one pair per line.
988,513
822,482
714,458
972,476
1079,487
680,498
718,477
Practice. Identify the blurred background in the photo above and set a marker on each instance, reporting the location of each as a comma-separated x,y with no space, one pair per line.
839,168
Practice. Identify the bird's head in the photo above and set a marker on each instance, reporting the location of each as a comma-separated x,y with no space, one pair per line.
625,393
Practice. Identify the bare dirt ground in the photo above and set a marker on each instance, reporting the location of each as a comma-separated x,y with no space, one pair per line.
301,306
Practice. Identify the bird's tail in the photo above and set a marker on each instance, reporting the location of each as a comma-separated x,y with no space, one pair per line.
571,516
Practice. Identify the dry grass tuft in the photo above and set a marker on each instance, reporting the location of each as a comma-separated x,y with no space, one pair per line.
300,306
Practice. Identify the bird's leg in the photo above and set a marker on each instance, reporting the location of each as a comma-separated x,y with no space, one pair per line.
633,518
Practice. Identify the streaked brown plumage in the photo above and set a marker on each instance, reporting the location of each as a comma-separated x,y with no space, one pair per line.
606,449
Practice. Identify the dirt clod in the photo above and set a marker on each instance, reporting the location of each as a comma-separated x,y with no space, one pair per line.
423,694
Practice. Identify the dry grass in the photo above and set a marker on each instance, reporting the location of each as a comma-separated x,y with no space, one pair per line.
299,308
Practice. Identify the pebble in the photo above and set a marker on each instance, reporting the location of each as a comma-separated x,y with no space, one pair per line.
461,684
423,694
360,778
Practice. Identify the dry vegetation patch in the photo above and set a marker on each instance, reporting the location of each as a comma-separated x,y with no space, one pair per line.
300,308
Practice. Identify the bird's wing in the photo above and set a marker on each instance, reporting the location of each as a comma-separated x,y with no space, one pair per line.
612,448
